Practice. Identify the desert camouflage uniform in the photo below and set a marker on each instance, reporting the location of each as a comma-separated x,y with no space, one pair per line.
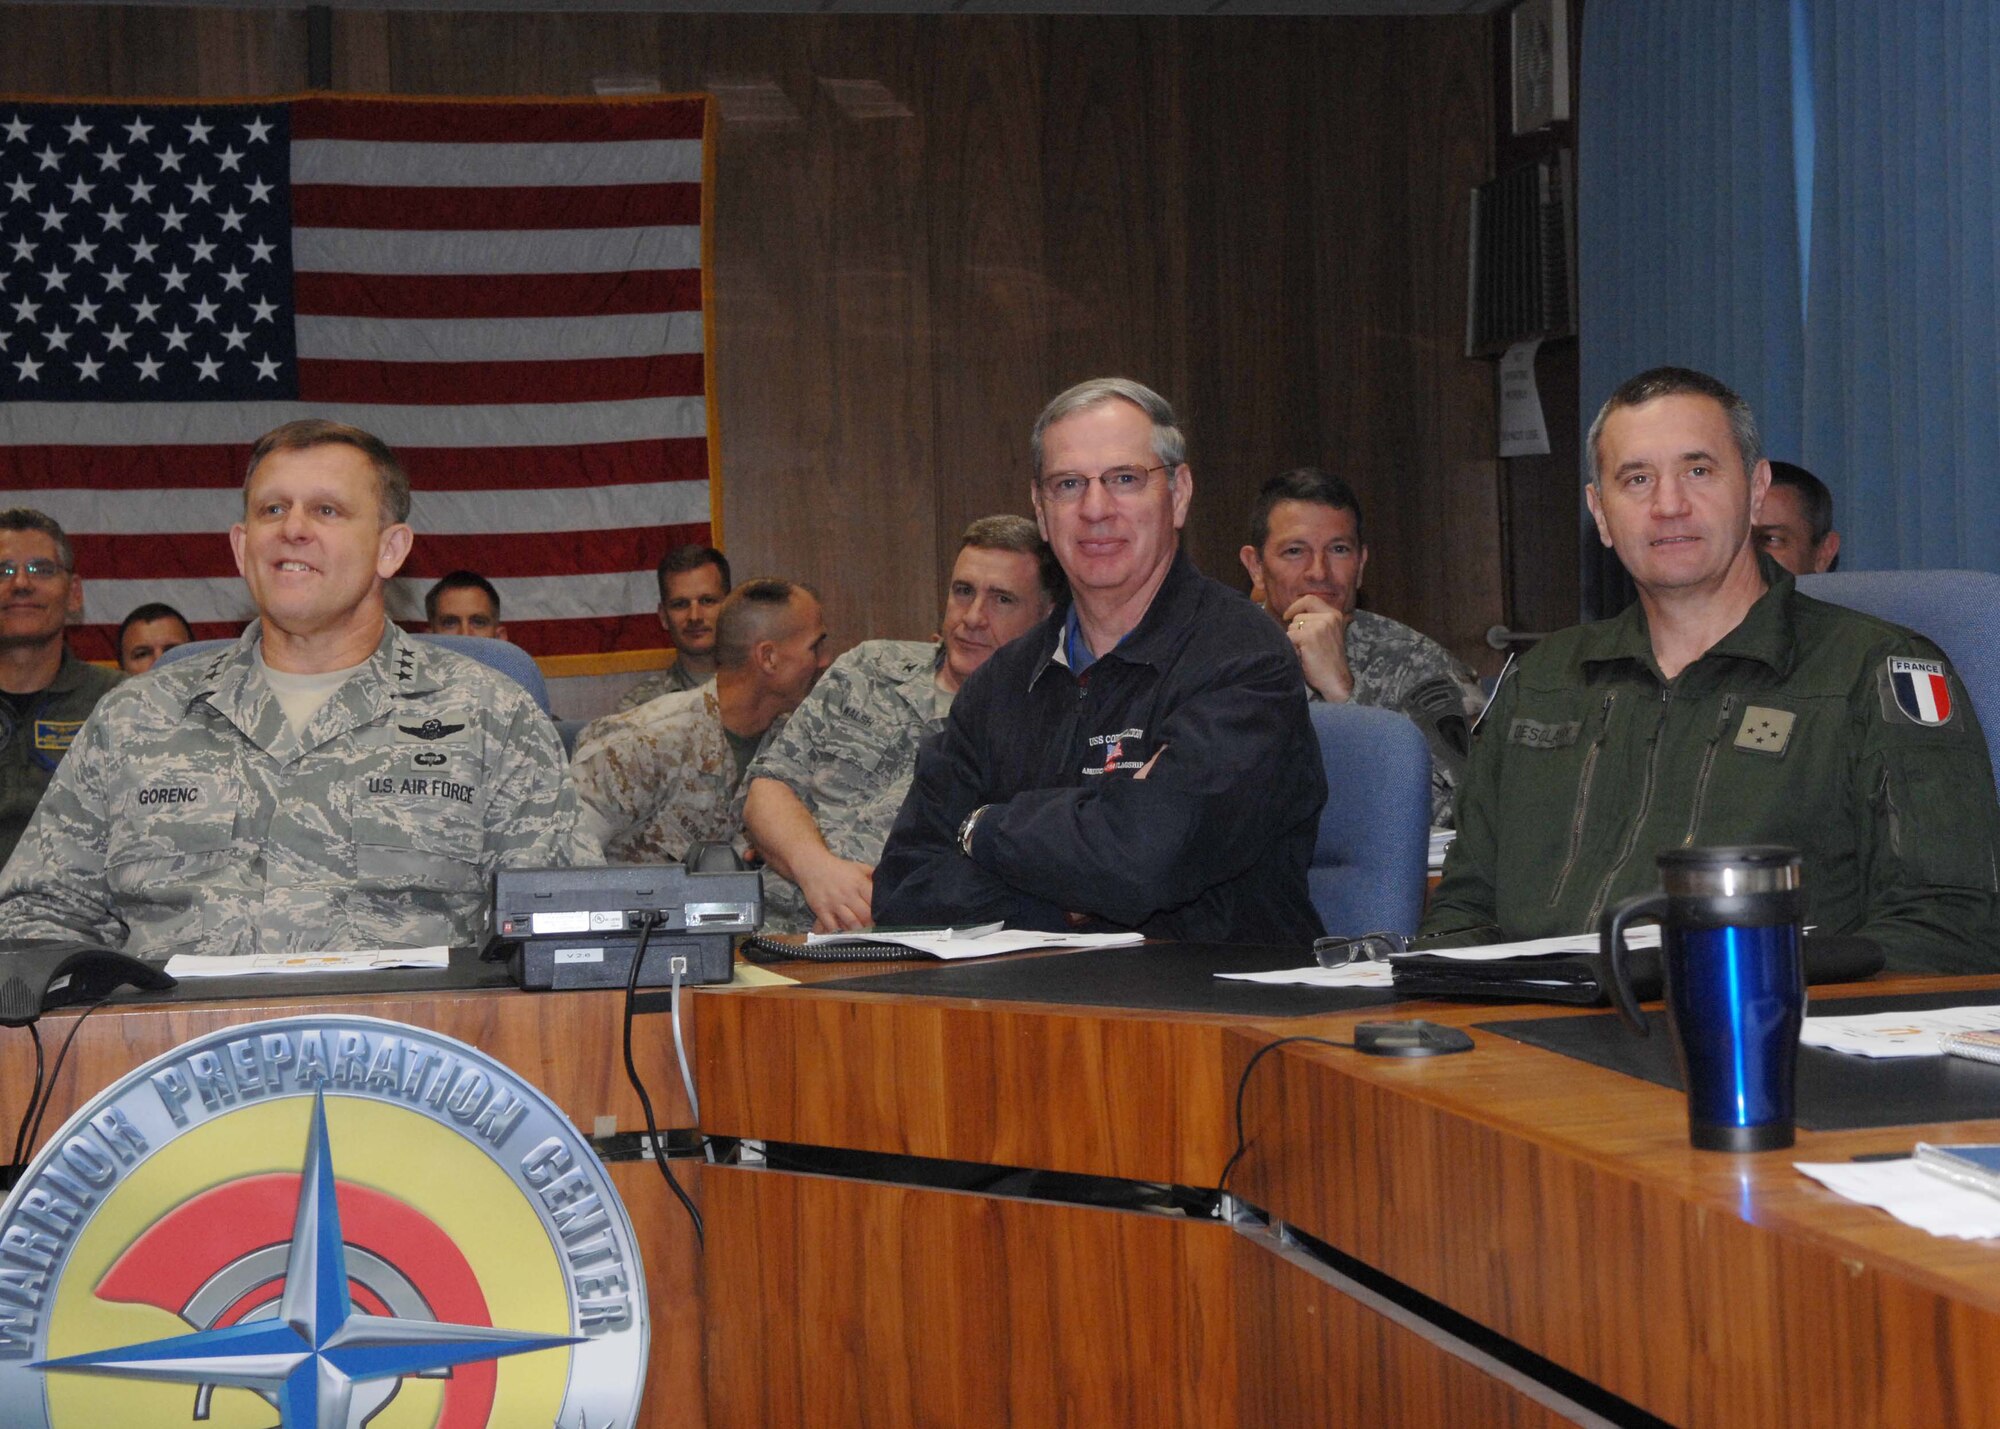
190,816
848,753
658,778
1389,661
676,679
32,746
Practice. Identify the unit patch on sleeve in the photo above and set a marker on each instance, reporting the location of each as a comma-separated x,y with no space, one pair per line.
1920,689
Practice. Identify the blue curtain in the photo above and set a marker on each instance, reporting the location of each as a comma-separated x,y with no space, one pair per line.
1902,386
1688,248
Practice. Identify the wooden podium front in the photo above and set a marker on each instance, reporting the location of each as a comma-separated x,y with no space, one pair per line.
565,1043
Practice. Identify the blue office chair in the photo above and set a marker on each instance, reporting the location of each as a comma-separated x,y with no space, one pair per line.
502,655
1956,609
1368,872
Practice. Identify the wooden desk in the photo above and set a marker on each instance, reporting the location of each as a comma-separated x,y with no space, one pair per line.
1560,1205
1555,1204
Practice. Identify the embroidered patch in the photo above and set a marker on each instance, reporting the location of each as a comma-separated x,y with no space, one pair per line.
430,729
1922,692
1765,730
1112,753
1538,734
55,736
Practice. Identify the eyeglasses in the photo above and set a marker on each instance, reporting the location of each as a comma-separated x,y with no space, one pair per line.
33,570
1367,948
1066,488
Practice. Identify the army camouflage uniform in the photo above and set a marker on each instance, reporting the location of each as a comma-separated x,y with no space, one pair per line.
1389,662
848,753
676,679
32,746
655,779
1787,731
191,818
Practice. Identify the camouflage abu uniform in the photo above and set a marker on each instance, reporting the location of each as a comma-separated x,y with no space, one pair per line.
658,778
32,745
190,817
676,679
1389,661
848,753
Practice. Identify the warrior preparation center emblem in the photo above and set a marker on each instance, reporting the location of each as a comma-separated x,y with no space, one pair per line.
321,1222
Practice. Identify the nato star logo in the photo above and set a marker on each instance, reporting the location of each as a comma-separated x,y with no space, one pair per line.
308,1360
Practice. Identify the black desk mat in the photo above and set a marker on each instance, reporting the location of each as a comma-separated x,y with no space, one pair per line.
464,971
1837,1092
1155,977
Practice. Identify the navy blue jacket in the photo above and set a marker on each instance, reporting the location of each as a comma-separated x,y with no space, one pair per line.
1173,788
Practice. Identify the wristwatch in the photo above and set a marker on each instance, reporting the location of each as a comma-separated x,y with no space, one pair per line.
965,830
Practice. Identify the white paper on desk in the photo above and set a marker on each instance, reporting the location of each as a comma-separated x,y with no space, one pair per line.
1647,935
986,942
1896,1034
1363,974
1912,1195
185,965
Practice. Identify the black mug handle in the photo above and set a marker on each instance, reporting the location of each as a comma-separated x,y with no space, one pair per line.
1612,950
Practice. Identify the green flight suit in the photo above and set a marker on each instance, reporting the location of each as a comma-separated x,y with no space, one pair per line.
32,746
1788,731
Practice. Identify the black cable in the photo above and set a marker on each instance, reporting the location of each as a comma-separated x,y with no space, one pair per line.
62,1054
645,1102
1243,1085
12,1172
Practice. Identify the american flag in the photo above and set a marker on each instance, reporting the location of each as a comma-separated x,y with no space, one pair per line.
510,294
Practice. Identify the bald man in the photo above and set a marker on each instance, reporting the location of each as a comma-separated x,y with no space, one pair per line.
669,774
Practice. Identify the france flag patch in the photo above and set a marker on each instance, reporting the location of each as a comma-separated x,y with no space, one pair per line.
1922,692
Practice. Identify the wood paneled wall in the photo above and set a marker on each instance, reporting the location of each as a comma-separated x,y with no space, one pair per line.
927,225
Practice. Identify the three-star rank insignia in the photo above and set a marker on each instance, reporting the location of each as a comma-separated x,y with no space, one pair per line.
1765,730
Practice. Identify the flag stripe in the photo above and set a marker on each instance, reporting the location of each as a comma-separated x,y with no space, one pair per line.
541,295
604,206
496,165
614,594
75,423
578,250
497,339
144,516
607,379
595,635
207,555
397,121
137,468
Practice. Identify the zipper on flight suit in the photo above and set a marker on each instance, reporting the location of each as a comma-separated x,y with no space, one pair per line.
1639,817
1583,796
1707,766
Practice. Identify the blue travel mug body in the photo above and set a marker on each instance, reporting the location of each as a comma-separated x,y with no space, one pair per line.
1734,979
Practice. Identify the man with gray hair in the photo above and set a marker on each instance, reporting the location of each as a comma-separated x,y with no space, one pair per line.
1723,708
324,782
1141,759
668,774
823,796
46,693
